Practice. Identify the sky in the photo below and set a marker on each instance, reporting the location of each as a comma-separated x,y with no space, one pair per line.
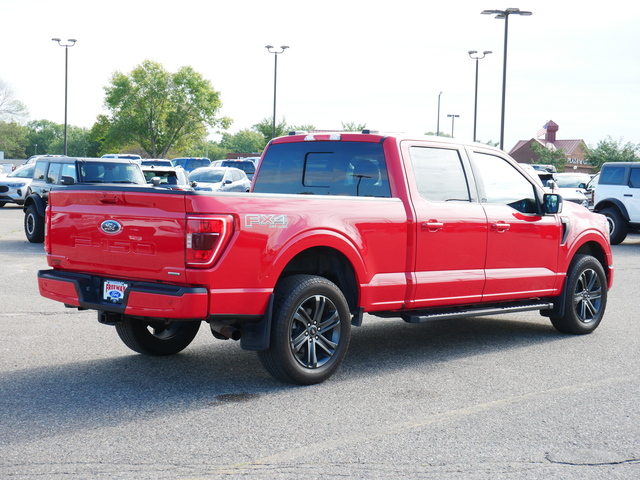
379,63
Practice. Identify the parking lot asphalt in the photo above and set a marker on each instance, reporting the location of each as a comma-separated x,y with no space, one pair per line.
503,397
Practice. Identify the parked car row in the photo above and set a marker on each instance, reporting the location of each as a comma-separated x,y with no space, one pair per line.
571,186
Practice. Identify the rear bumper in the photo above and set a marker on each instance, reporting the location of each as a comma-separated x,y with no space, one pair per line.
143,299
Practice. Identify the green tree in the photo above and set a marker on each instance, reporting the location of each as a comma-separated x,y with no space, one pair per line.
77,142
353,127
41,135
301,128
442,134
245,141
608,150
13,139
265,128
548,156
160,110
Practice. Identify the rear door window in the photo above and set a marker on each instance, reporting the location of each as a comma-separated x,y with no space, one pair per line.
612,175
439,174
53,174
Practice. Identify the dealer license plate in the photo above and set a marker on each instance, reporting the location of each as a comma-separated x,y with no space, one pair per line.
114,291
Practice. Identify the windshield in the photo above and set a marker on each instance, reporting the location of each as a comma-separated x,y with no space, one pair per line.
207,176
571,181
25,171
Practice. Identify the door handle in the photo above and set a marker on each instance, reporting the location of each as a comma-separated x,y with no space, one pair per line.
501,226
432,225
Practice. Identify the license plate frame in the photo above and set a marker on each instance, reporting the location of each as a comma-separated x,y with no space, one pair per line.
114,291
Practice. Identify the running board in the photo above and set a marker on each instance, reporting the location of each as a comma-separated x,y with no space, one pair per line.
475,312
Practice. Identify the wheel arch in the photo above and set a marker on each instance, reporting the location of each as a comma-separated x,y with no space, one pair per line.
612,202
34,200
326,254
594,249
327,262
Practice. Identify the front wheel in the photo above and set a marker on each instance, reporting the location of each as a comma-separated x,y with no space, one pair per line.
33,225
585,293
311,330
156,338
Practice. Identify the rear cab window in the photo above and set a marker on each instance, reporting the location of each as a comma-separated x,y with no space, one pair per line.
324,168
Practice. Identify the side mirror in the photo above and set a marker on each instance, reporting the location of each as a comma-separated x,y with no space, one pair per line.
155,181
65,180
552,185
552,203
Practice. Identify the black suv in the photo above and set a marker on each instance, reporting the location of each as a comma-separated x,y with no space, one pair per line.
52,171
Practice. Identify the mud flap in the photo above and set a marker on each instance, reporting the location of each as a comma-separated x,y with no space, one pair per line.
256,336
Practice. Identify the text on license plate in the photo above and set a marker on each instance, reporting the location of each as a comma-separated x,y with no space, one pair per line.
114,291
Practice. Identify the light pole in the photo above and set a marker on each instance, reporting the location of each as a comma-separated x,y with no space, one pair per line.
438,125
70,43
504,14
453,118
275,80
476,56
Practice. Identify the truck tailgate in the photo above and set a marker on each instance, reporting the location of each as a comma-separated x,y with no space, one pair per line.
135,233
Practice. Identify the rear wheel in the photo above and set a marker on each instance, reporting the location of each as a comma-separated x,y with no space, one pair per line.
311,330
33,225
618,227
585,292
156,338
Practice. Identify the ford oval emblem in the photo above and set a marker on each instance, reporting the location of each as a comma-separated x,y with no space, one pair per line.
110,226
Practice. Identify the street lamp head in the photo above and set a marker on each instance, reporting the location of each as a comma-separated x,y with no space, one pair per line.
500,14
271,49
71,42
476,56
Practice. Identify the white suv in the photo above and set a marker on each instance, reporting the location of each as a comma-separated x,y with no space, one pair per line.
617,196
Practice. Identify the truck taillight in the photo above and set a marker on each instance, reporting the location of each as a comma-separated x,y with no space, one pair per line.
47,229
205,239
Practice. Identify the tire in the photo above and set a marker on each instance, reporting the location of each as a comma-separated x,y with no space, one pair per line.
33,225
156,338
618,227
585,292
310,330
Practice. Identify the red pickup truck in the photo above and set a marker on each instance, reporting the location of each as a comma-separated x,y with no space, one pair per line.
336,225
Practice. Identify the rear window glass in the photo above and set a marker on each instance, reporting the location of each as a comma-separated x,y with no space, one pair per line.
111,172
324,168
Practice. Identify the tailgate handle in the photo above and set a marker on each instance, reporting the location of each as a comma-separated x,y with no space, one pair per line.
110,199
